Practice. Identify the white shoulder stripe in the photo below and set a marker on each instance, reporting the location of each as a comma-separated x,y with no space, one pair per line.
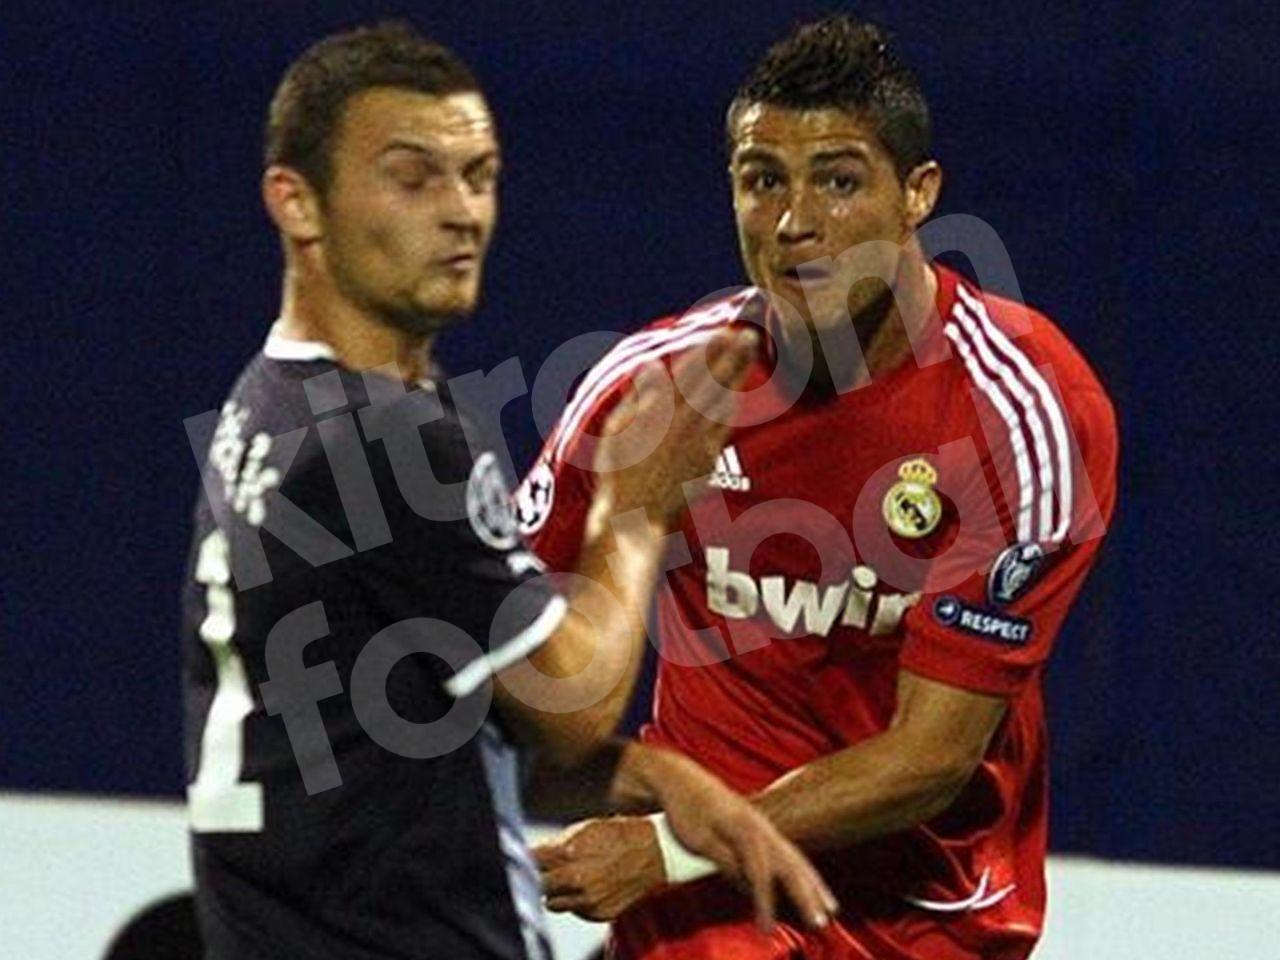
1022,461
636,342
630,355
1057,419
1044,460
624,348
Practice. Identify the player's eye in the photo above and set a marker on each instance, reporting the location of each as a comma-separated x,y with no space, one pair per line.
761,181
842,184
411,176
483,179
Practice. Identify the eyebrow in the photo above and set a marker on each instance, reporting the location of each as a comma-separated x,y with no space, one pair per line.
417,148
844,153
428,153
755,154
759,154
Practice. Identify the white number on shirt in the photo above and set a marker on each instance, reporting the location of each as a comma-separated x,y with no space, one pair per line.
217,801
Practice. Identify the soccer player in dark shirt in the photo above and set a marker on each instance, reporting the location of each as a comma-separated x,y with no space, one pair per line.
365,641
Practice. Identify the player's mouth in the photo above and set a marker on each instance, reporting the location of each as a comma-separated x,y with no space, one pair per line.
802,276
461,263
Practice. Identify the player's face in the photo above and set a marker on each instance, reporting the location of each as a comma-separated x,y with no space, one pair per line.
411,204
813,190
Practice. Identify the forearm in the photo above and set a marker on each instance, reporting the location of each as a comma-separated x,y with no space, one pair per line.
573,692
566,794
880,786
622,777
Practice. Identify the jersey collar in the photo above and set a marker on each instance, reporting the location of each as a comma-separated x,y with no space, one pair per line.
279,347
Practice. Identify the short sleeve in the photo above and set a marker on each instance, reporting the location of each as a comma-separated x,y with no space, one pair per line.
992,630
499,587
466,565
552,503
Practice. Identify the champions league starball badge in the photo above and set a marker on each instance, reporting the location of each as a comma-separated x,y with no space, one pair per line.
1013,573
912,508
489,504
534,497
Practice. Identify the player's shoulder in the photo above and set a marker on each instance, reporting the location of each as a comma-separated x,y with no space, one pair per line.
670,335
1009,346
660,341
263,438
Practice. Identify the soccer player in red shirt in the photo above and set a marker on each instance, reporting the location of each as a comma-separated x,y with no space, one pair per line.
854,626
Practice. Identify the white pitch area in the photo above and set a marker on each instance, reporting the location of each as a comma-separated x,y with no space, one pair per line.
75,868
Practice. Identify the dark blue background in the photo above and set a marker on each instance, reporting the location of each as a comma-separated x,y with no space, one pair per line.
1124,155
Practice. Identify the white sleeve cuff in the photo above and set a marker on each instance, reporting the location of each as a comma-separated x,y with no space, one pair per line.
679,863
469,678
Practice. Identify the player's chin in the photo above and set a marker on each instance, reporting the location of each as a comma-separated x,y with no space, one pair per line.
451,301
815,312
790,304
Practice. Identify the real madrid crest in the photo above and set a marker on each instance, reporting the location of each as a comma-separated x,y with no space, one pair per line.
912,508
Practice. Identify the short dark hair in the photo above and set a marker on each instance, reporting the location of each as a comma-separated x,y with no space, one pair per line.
308,105
842,62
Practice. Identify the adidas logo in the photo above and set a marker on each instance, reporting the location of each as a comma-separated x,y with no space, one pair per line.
728,473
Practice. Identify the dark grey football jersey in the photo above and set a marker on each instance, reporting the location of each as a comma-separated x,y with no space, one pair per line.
356,579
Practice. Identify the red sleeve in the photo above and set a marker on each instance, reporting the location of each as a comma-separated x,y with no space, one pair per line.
553,500
992,629
551,505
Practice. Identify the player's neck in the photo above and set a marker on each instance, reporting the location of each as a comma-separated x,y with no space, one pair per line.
913,302
882,338
359,339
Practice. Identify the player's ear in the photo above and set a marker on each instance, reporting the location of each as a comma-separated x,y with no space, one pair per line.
292,203
923,185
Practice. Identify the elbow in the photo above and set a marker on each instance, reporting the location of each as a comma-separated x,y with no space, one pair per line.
943,787
576,739
931,776
940,781
563,755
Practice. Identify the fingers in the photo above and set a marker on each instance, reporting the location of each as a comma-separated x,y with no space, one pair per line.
636,426
673,432
621,415
568,903
561,882
759,875
708,391
583,906
550,853
807,891
708,380
768,860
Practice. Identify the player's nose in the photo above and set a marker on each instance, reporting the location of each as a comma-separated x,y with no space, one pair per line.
795,227
798,223
457,207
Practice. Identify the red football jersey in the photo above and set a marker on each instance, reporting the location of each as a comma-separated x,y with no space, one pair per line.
939,519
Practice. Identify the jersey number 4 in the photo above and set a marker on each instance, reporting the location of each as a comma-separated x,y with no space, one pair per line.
217,801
